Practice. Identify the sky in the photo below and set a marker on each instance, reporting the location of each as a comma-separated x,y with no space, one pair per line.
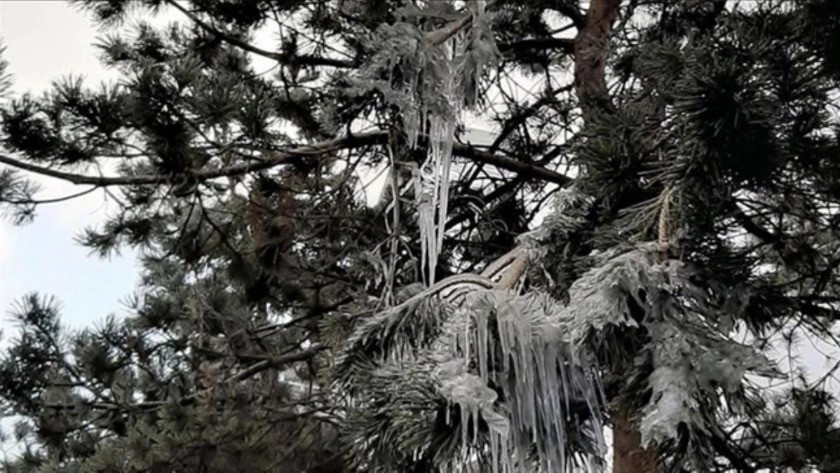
46,40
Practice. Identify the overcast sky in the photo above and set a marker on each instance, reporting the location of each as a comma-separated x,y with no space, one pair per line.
45,40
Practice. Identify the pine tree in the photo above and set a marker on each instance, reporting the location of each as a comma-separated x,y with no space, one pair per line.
283,324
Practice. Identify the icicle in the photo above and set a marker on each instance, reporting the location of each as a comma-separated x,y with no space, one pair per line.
539,378
448,410
466,339
474,421
480,7
433,198
494,451
465,423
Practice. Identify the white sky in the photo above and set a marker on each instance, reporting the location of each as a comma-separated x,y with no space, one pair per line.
45,40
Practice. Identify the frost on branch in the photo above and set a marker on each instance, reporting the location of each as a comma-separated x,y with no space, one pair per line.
505,362
506,386
689,321
429,83
515,379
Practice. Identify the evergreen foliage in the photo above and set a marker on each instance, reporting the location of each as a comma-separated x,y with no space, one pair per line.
282,323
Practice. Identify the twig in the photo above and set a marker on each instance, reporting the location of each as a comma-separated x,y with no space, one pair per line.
283,157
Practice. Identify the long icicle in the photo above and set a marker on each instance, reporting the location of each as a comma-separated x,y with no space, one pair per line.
433,198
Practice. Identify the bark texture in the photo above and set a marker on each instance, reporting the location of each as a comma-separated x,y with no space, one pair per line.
591,47
629,456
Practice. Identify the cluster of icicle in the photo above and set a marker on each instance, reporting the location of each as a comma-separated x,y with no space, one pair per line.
547,389
432,179
432,191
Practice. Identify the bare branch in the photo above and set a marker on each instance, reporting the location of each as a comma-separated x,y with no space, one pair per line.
306,59
316,150
275,362
49,201
571,12
567,45
275,159
510,164
440,35
249,372
522,116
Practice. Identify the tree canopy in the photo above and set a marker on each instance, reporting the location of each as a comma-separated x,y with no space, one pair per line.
591,217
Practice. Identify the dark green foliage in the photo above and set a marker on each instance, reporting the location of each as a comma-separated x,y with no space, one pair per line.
393,422
16,189
797,431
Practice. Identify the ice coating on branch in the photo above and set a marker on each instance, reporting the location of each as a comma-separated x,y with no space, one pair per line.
688,319
442,114
507,364
438,77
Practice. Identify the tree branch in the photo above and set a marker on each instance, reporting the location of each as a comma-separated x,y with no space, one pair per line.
737,459
49,201
567,45
282,157
522,116
307,59
433,38
275,362
571,12
253,370
510,164
755,229
277,158
440,35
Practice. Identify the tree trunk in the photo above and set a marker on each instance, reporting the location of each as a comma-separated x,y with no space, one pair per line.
590,51
628,454
591,44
